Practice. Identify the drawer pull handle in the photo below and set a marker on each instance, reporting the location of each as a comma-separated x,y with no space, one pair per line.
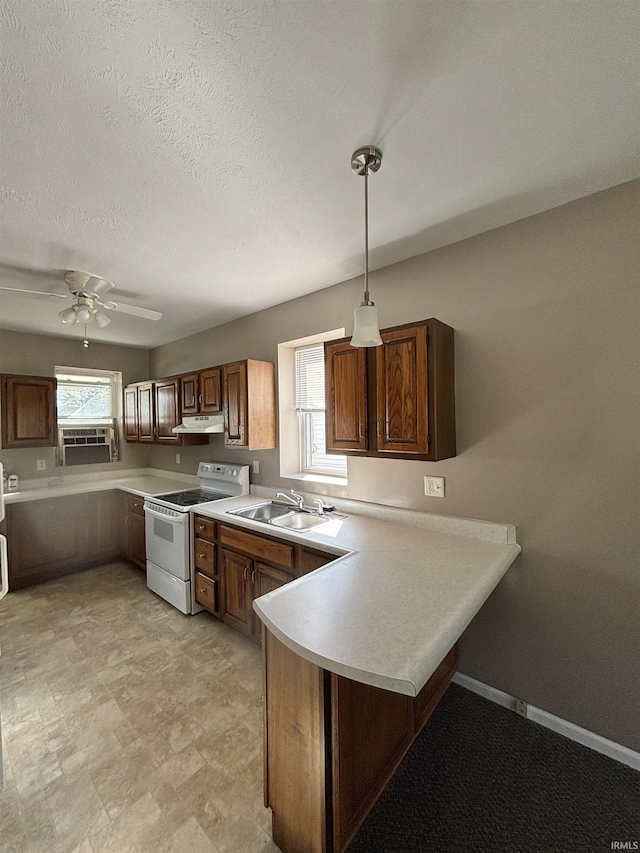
201,527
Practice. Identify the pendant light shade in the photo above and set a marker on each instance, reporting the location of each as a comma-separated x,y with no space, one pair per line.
366,331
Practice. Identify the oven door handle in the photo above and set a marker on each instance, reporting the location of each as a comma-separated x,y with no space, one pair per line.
180,518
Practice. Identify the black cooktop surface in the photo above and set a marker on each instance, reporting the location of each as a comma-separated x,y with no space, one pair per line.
192,497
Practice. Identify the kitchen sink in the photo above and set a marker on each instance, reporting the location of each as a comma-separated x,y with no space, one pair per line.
263,512
281,515
300,520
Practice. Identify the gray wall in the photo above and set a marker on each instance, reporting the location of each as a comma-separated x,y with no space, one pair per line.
38,355
545,312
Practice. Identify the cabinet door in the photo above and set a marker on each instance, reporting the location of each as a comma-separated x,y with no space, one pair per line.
131,413
210,391
167,403
28,411
236,583
235,403
265,579
145,412
189,391
401,385
346,396
105,510
136,547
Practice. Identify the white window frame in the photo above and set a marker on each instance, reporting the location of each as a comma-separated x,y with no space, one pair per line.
305,413
291,422
115,383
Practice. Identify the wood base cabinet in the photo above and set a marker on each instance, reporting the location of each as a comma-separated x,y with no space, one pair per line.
60,536
338,741
136,533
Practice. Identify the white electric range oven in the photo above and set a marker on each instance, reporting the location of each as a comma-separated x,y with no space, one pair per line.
168,530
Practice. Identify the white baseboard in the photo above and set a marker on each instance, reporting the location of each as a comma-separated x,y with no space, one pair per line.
556,724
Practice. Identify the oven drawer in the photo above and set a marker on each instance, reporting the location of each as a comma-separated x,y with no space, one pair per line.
266,548
206,592
204,556
205,528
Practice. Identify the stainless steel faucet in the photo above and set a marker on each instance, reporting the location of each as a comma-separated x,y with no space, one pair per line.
294,497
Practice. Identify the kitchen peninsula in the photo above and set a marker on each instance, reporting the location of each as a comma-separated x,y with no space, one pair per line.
358,653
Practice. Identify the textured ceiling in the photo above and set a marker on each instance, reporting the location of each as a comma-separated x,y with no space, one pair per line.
197,153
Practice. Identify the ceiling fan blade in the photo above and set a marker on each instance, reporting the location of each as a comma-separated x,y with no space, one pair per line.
145,313
87,282
37,292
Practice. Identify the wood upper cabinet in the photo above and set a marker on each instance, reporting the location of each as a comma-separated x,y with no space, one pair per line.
145,412
28,411
201,392
167,410
401,391
408,383
131,413
249,404
152,410
346,396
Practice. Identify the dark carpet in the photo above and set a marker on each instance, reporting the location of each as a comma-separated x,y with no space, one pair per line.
481,778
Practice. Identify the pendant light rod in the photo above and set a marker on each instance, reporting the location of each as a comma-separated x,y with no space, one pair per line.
366,236
366,333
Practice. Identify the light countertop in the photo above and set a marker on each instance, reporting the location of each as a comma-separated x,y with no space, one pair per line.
388,610
139,481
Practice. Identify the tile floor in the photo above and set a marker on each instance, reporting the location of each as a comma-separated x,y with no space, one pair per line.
127,726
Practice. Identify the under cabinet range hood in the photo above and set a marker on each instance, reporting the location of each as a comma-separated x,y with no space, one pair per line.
201,424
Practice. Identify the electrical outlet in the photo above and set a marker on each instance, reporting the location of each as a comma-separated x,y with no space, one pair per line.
434,487
521,708
177,458
256,466
41,465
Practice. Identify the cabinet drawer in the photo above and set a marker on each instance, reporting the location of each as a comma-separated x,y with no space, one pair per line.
205,528
135,505
266,548
206,592
204,555
310,560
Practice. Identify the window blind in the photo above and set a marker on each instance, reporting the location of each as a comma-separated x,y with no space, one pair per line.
310,378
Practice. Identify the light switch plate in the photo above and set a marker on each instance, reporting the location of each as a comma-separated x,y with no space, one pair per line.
41,465
256,466
434,487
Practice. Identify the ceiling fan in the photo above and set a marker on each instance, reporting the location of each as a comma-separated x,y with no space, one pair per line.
88,291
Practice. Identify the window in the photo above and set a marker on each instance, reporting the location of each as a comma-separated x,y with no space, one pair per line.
85,399
310,409
89,409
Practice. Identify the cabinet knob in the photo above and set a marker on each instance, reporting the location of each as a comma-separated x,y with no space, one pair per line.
201,556
202,590
201,527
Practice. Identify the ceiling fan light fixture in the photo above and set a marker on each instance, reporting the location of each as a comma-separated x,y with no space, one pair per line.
69,316
366,331
84,312
101,319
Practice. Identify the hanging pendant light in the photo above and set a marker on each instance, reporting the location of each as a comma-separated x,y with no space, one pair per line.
366,332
